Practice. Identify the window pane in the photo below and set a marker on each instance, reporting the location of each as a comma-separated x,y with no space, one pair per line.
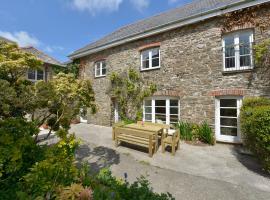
145,64
103,71
161,117
244,43
228,131
148,117
174,111
145,55
98,69
148,109
173,118
230,62
155,62
174,103
155,53
245,61
40,74
228,112
228,103
229,47
148,102
160,110
160,102
228,121
31,74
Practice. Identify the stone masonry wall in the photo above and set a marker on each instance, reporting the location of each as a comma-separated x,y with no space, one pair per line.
191,62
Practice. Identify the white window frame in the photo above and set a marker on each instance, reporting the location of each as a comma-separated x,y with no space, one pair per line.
236,36
227,138
98,73
168,115
36,72
150,51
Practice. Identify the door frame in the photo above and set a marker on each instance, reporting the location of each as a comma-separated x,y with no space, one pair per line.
227,138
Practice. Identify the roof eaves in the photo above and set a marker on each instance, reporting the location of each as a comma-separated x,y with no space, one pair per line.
172,25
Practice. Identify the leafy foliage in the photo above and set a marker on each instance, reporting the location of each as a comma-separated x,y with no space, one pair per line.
205,133
185,129
129,90
255,127
256,16
192,131
70,68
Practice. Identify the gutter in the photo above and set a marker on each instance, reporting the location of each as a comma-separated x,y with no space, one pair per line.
173,25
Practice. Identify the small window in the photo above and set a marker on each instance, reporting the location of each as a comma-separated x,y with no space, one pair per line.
100,69
237,51
35,75
150,59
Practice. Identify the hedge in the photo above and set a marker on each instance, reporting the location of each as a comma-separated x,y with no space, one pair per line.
255,128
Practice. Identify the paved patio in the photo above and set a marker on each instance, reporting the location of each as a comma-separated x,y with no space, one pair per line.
195,172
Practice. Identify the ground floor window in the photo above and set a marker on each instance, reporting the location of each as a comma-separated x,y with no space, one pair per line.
35,74
227,119
161,109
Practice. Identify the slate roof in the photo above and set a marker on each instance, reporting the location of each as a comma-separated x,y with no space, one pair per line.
179,14
42,56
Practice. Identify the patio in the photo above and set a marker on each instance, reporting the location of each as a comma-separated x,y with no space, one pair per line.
195,172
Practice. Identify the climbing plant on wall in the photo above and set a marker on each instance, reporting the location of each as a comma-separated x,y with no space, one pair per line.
255,16
129,90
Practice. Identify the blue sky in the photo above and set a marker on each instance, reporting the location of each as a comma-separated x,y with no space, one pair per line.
59,27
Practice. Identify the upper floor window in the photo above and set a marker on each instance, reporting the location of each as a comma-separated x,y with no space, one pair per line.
35,75
100,68
237,51
150,59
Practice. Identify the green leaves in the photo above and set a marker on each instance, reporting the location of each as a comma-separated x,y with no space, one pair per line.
129,89
255,127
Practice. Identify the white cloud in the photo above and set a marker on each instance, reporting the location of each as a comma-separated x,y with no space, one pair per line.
51,49
140,4
94,6
21,37
172,1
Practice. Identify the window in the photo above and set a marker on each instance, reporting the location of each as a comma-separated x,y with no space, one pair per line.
100,69
227,119
237,51
150,59
35,75
165,110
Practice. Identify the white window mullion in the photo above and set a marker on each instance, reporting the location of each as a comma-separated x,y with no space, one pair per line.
237,52
153,110
167,111
150,59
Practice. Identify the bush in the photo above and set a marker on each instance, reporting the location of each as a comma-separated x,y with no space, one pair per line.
205,133
185,129
255,127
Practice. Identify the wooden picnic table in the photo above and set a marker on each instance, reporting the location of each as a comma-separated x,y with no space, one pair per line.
141,134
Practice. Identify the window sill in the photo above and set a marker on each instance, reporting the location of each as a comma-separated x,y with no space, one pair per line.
100,76
149,69
237,71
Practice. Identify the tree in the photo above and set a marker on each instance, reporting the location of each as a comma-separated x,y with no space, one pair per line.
129,90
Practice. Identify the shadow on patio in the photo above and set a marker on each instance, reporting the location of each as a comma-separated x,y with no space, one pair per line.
97,157
249,161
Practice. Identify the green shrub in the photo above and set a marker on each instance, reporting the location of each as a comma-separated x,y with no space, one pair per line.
205,133
255,127
185,129
109,187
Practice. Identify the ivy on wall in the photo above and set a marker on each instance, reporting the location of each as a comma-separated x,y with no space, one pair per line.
129,90
255,16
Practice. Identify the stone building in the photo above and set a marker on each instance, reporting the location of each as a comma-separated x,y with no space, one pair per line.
202,68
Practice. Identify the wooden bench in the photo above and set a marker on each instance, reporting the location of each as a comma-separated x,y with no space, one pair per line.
145,139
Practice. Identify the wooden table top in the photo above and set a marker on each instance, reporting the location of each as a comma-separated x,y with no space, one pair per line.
145,127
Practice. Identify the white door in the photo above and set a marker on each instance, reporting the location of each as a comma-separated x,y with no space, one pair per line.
227,126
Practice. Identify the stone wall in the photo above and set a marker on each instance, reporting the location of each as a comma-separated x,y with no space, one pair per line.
191,62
